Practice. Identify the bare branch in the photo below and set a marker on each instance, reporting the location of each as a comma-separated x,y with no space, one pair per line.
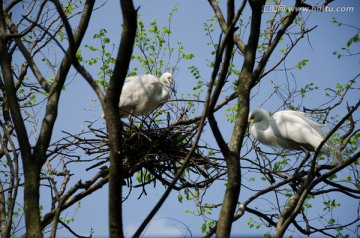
27,55
287,21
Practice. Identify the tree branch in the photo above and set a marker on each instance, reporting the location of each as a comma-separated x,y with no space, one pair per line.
288,20
55,89
113,124
224,27
27,55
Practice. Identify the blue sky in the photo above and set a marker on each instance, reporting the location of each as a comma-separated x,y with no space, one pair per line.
187,26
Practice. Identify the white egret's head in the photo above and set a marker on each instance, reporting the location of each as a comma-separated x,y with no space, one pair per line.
257,115
166,78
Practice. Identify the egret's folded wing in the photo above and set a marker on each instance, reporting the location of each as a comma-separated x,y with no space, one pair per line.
304,116
296,127
129,95
134,92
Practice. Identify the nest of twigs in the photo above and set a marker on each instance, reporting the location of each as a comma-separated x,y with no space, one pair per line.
156,152
159,150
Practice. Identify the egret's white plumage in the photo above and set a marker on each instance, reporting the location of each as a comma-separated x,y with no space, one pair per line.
141,94
287,129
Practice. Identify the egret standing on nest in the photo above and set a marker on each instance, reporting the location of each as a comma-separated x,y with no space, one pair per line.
288,129
141,94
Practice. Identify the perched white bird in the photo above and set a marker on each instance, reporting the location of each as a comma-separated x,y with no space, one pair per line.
288,129
140,95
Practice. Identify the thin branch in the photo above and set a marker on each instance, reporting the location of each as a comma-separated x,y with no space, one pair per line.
73,232
31,27
42,81
288,20
224,27
287,52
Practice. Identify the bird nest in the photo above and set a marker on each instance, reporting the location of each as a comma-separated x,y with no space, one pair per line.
154,151
158,150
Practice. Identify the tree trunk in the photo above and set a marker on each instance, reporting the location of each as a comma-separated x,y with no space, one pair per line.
112,117
31,168
31,200
233,161
231,197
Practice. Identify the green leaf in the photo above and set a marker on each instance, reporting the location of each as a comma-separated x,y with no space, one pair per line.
203,228
79,56
267,235
353,39
196,193
180,198
301,64
251,223
106,40
331,221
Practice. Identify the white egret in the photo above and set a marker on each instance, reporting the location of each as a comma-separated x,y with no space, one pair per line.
288,129
141,94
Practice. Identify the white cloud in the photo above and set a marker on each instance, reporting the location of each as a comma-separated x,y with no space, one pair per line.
159,227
